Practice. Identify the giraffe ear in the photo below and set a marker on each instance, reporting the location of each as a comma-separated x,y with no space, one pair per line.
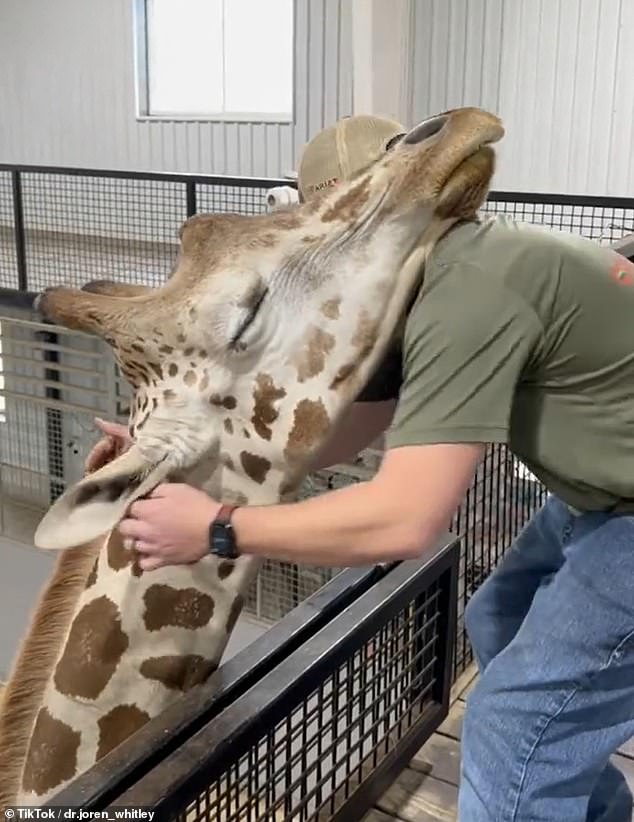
95,505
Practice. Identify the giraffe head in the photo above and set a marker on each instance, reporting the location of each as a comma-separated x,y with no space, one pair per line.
243,361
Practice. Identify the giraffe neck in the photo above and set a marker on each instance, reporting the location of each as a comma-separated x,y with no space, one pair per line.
136,642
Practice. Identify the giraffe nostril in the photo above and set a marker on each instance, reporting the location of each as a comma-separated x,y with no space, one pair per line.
428,128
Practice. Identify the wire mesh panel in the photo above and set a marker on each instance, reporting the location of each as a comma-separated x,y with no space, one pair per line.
586,216
79,228
312,738
238,198
503,497
53,384
310,761
8,263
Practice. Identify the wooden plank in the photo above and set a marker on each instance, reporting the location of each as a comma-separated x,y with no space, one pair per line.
463,682
439,757
378,816
452,726
465,694
418,797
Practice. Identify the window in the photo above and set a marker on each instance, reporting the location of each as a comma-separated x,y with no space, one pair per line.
215,59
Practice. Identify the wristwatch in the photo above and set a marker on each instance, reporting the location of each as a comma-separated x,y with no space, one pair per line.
222,537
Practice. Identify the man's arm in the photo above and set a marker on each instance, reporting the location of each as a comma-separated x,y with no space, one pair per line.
359,427
397,515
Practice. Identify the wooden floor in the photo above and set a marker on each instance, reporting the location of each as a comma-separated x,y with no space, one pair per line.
427,790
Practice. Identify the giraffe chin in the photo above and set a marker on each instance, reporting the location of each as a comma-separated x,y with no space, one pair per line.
91,508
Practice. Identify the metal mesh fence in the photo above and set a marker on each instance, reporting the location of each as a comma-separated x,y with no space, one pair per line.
8,266
242,199
81,228
314,737
603,223
302,767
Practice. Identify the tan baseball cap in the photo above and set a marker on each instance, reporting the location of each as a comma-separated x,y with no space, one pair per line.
337,153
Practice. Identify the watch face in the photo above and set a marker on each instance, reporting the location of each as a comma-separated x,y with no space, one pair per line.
222,540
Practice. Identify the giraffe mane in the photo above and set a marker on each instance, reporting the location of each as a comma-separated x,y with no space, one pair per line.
37,654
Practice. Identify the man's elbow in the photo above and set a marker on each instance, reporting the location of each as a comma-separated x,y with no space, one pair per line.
413,539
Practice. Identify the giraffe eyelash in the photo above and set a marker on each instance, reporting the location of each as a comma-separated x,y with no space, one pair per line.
248,320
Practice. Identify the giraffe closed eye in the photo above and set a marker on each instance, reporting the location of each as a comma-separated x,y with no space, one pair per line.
254,303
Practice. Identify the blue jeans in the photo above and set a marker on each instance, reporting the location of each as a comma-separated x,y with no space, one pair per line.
553,634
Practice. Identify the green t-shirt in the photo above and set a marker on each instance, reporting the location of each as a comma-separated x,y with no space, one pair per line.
525,336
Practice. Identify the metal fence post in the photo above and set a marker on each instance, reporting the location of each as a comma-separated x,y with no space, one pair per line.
190,197
18,224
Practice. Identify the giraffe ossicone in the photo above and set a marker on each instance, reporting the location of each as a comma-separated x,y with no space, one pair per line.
241,366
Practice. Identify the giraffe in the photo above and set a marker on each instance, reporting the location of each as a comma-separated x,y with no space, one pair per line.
241,364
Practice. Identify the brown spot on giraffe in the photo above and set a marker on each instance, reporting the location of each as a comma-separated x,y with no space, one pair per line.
330,308
156,368
117,725
188,351
204,383
172,369
190,378
246,433
92,576
225,402
310,426
225,568
166,349
254,466
363,340
178,607
169,394
228,426
52,757
265,394
178,673
234,613
347,206
311,359
366,334
118,556
94,648
181,338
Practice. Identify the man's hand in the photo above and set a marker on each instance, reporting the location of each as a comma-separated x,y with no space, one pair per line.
170,527
116,442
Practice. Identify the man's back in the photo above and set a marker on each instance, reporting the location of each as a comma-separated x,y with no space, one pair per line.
520,307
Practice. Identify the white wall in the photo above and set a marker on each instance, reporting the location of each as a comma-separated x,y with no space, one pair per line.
559,72
67,93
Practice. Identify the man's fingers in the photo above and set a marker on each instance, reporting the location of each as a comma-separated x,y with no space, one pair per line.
143,507
148,563
102,453
134,529
112,429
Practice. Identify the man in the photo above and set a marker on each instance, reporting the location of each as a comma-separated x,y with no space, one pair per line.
518,336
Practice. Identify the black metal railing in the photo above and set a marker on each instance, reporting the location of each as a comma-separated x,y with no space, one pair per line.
66,225
323,733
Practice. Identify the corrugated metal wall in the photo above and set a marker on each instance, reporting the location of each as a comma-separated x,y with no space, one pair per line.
67,93
559,72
